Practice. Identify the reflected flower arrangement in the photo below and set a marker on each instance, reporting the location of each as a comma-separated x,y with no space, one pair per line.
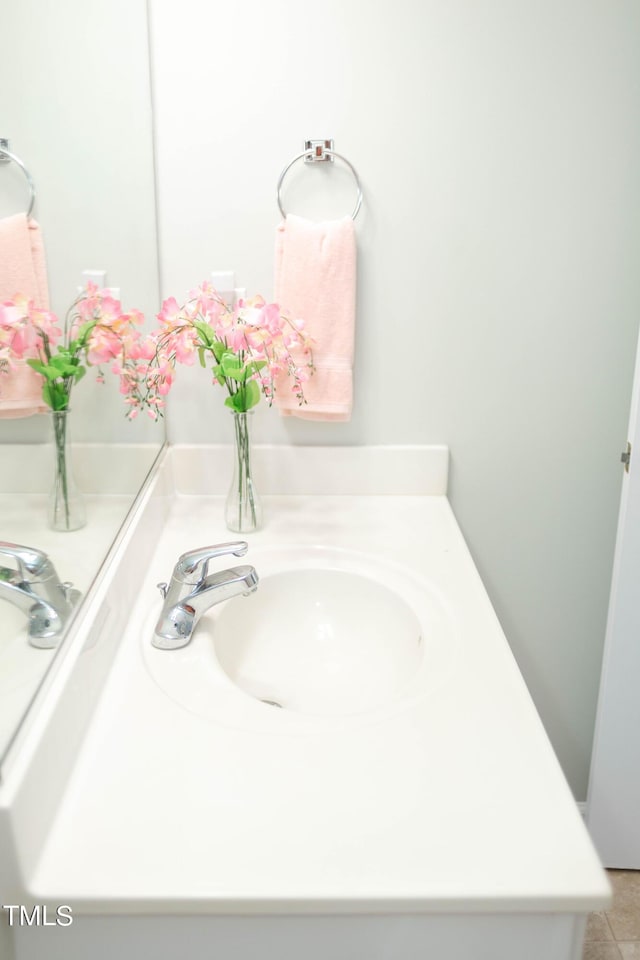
95,332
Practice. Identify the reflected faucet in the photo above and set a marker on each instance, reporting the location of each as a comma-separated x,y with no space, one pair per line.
193,590
32,584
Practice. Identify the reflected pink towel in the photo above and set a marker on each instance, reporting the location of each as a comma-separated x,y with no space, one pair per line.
315,280
22,270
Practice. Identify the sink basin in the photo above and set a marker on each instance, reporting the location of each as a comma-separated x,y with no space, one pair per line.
319,641
330,638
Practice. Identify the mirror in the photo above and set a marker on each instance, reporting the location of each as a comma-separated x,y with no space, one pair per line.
76,110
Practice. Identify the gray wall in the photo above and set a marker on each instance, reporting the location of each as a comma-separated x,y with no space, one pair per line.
498,145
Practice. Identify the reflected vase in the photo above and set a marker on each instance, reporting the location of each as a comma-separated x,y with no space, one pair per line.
243,512
66,503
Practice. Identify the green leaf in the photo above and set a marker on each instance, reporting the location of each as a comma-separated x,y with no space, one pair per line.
218,348
84,331
255,366
63,367
219,375
252,391
246,397
238,401
38,367
232,368
55,396
205,332
201,356
51,373
59,360
228,356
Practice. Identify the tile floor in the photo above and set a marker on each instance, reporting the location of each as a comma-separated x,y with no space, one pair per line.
614,934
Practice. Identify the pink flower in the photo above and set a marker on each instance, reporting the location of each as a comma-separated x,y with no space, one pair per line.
170,312
236,339
183,344
271,319
257,339
103,345
24,327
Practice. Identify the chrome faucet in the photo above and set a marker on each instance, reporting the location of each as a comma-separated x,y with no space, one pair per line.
193,590
32,584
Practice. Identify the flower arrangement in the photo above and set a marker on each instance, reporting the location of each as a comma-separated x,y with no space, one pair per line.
95,331
250,348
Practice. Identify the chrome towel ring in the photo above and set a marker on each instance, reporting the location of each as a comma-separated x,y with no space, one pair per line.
320,151
5,157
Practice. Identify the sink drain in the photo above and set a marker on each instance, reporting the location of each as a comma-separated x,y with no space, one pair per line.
272,703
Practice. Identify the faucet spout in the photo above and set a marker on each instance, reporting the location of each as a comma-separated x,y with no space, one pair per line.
237,581
186,601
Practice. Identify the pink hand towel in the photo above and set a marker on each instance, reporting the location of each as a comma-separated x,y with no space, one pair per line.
22,270
315,280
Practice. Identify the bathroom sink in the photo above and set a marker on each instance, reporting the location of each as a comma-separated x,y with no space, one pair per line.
329,635
319,641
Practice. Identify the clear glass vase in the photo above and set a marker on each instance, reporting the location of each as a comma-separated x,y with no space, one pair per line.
66,503
243,512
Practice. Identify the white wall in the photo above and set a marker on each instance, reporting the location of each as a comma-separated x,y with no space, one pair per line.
75,105
498,145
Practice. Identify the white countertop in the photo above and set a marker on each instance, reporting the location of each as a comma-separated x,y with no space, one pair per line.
451,801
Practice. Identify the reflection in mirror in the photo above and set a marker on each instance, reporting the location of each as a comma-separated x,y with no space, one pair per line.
30,582
41,609
84,135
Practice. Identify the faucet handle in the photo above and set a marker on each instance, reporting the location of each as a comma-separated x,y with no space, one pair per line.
192,566
33,565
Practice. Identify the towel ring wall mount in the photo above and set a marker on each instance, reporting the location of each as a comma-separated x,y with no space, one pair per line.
320,151
7,157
